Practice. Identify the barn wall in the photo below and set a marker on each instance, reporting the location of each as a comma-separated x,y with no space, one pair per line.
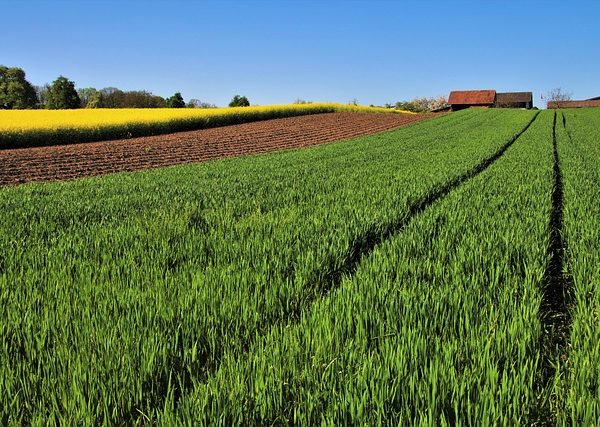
514,105
573,104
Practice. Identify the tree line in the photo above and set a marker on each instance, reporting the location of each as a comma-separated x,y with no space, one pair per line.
420,105
18,93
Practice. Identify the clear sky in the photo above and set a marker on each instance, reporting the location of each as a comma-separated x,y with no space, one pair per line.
278,51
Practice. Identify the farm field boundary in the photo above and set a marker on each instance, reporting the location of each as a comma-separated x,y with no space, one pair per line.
98,158
29,128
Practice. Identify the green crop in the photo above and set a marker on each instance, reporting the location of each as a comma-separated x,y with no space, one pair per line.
399,278
439,325
578,137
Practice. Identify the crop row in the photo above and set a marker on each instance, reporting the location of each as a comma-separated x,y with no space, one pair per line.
439,325
123,294
28,128
577,390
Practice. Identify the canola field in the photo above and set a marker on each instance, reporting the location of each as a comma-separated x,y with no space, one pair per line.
439,274
26,128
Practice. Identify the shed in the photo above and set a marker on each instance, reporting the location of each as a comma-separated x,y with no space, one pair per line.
461,99
514,100
573,104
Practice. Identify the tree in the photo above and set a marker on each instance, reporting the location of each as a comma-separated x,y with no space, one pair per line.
196,103
112,97
41,94
557,96
421,105
142,99
439,102
15,91
86,94
62,95
239,101
176,101
96,100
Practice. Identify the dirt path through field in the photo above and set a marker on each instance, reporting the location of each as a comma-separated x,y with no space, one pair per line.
65,162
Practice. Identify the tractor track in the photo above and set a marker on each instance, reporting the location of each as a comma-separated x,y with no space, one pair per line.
361,248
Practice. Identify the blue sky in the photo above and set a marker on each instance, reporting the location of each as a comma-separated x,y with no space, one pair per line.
278,51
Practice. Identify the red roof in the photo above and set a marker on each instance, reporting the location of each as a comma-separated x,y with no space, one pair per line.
472,97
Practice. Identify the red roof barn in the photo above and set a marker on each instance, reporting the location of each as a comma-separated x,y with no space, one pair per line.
460,99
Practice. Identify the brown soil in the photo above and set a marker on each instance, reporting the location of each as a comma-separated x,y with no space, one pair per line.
63,162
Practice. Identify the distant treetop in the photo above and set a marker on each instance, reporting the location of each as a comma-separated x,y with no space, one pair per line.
239,101
15,91
62,95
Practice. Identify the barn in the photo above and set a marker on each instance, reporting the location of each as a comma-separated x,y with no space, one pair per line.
514,100
461,99
593,102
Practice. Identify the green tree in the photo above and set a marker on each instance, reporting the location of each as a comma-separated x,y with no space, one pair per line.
41,93
62,95
112,97
85,94
142,99
176,101
239,101
95,100
15,91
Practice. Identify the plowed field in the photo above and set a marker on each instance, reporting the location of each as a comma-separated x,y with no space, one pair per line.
65,162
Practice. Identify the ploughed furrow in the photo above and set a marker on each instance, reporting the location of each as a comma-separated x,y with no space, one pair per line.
64,162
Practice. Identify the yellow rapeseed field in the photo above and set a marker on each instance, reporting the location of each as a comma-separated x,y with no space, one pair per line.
20,128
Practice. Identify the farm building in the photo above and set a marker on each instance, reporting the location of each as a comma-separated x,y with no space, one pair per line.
461,99
593,102
514,100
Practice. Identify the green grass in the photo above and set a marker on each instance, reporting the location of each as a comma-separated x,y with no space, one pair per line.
439,324
578,391
124,289
397,278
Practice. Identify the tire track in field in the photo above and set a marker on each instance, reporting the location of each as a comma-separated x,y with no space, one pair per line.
369,241
557,298
362,247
